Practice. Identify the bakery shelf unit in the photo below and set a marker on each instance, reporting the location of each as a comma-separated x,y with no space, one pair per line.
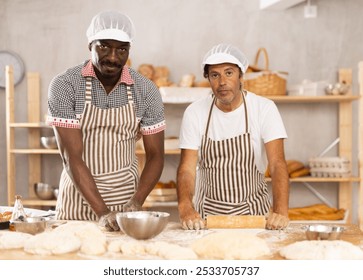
33,150
345,118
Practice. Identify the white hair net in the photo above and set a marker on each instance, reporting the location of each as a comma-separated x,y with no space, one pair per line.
111,25
225,53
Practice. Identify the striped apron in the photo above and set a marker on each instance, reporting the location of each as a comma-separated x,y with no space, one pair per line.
109,152
229,182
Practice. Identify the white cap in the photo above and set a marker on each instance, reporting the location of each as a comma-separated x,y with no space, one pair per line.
225,53
111,25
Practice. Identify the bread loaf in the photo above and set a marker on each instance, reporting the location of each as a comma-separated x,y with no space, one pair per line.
316,212
295,169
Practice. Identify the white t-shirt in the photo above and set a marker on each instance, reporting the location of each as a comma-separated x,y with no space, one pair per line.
264,121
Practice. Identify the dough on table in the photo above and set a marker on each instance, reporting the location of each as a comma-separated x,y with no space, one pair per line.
127,247
13,240
322,250
230,245
92,238
164,250
170,251
52,243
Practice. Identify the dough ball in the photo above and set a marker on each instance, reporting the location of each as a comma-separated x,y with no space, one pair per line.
52,243
13,240
93,239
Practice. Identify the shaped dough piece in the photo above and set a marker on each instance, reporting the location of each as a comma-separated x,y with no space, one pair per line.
52,243
92,238
115,246
133,248
13,240
322,250
170,251
230,245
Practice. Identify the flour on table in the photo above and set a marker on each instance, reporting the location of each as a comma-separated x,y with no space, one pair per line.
13,240
230,245
322,250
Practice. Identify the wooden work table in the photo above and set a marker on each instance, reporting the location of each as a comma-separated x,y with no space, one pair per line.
175,234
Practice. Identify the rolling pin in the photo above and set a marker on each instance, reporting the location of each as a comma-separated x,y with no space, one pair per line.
244,221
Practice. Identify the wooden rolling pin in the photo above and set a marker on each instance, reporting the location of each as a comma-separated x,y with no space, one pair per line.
245,221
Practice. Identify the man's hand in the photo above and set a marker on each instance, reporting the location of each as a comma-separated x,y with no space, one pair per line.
276,221
191,220
131,205
109,222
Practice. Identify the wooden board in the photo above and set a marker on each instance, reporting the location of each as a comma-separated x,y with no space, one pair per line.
245,221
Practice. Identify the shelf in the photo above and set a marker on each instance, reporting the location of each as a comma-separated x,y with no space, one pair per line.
309,179
34,151
182,95
30,125
167,152
313,99
37,202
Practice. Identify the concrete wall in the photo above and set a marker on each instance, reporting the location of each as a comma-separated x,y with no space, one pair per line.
50,37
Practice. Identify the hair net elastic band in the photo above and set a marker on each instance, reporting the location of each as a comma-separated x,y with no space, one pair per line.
219,58
110,34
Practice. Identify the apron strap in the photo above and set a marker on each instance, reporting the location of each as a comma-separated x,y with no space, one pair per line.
129,95
209,116
244,104
211,108
88,96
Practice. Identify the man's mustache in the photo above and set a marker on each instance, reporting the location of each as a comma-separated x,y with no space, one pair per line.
111,64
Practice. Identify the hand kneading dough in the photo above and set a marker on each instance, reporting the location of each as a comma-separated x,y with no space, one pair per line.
52,243
92,238
230,245
13,240
322,250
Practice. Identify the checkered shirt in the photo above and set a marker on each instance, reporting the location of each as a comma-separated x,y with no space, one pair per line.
66,98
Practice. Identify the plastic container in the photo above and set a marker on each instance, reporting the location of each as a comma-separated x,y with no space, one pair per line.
334,167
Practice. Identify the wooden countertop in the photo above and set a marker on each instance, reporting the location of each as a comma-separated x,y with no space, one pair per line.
175,234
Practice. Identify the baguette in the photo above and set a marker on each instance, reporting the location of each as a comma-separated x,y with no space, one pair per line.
316,212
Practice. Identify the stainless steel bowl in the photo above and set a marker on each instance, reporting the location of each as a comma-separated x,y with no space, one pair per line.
49,142
337,89
32,225
142,224
44,191
323,232
56,192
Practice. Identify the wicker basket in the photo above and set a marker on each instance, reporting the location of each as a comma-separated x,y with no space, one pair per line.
262,81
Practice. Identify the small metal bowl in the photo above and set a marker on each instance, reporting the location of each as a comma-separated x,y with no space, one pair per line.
337,89
44,191
323,232
142,224
32,225
49,142
56,192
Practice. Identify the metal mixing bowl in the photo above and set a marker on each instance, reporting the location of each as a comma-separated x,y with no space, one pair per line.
44,191
32,225
142,224
323,232
49,142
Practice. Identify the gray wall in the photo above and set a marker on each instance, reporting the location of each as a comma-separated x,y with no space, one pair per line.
50,36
